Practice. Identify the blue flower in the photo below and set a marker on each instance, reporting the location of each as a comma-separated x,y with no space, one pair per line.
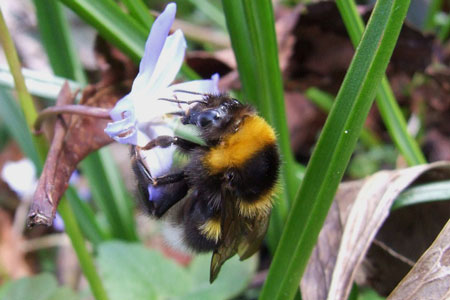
139,116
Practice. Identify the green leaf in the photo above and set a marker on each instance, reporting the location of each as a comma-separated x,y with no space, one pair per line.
56,38
368,162
369,294
41,287
109,193
433,8
386,102
233,278
14,120
445,30
78,243
140,12
123,31
252,33
150,275
112,24
86,218
211,11
38,83
325,101
334,148
424,193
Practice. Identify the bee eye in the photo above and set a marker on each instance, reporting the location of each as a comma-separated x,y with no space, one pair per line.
207,117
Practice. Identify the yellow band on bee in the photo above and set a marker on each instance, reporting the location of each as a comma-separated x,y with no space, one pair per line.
259,207
253,135
211,229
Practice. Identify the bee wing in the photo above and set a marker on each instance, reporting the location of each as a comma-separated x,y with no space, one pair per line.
231,230
252,236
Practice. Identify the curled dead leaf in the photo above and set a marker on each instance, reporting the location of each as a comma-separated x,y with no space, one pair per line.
430,276
75,136
362,207
79,129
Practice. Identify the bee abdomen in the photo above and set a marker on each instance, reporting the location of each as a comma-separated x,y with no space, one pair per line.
256,182
200,222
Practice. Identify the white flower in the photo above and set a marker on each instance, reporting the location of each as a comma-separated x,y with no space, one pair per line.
20,176
139,116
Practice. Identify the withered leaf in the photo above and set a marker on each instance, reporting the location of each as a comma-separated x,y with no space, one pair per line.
362,207
75,136
430,276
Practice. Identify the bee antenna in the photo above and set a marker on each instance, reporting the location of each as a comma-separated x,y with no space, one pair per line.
181,101
191,92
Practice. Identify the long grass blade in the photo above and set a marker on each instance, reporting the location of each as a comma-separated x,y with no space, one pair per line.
325,102
139,11
114,25
55,34
110,194
14,120
211,11
252,32
334,149
38,83
424,193
386,102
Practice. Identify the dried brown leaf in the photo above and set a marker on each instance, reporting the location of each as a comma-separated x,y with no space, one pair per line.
430,276
74,138
317,278
362,208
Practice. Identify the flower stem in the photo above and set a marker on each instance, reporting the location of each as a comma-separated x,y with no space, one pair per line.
85,259
78,109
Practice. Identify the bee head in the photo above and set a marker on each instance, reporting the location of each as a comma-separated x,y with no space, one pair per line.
216,116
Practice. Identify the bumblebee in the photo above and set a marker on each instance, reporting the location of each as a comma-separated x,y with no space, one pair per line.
221,199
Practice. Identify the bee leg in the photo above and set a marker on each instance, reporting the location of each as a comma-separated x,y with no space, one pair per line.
157,194
168,179
165,141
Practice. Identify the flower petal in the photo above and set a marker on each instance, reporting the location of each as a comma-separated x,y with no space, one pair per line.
122,130
159,160
204,86
169,62
151,110
58,223
124,108
154,45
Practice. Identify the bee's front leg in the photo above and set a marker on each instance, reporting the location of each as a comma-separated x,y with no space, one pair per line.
158,194
165,141
141,170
